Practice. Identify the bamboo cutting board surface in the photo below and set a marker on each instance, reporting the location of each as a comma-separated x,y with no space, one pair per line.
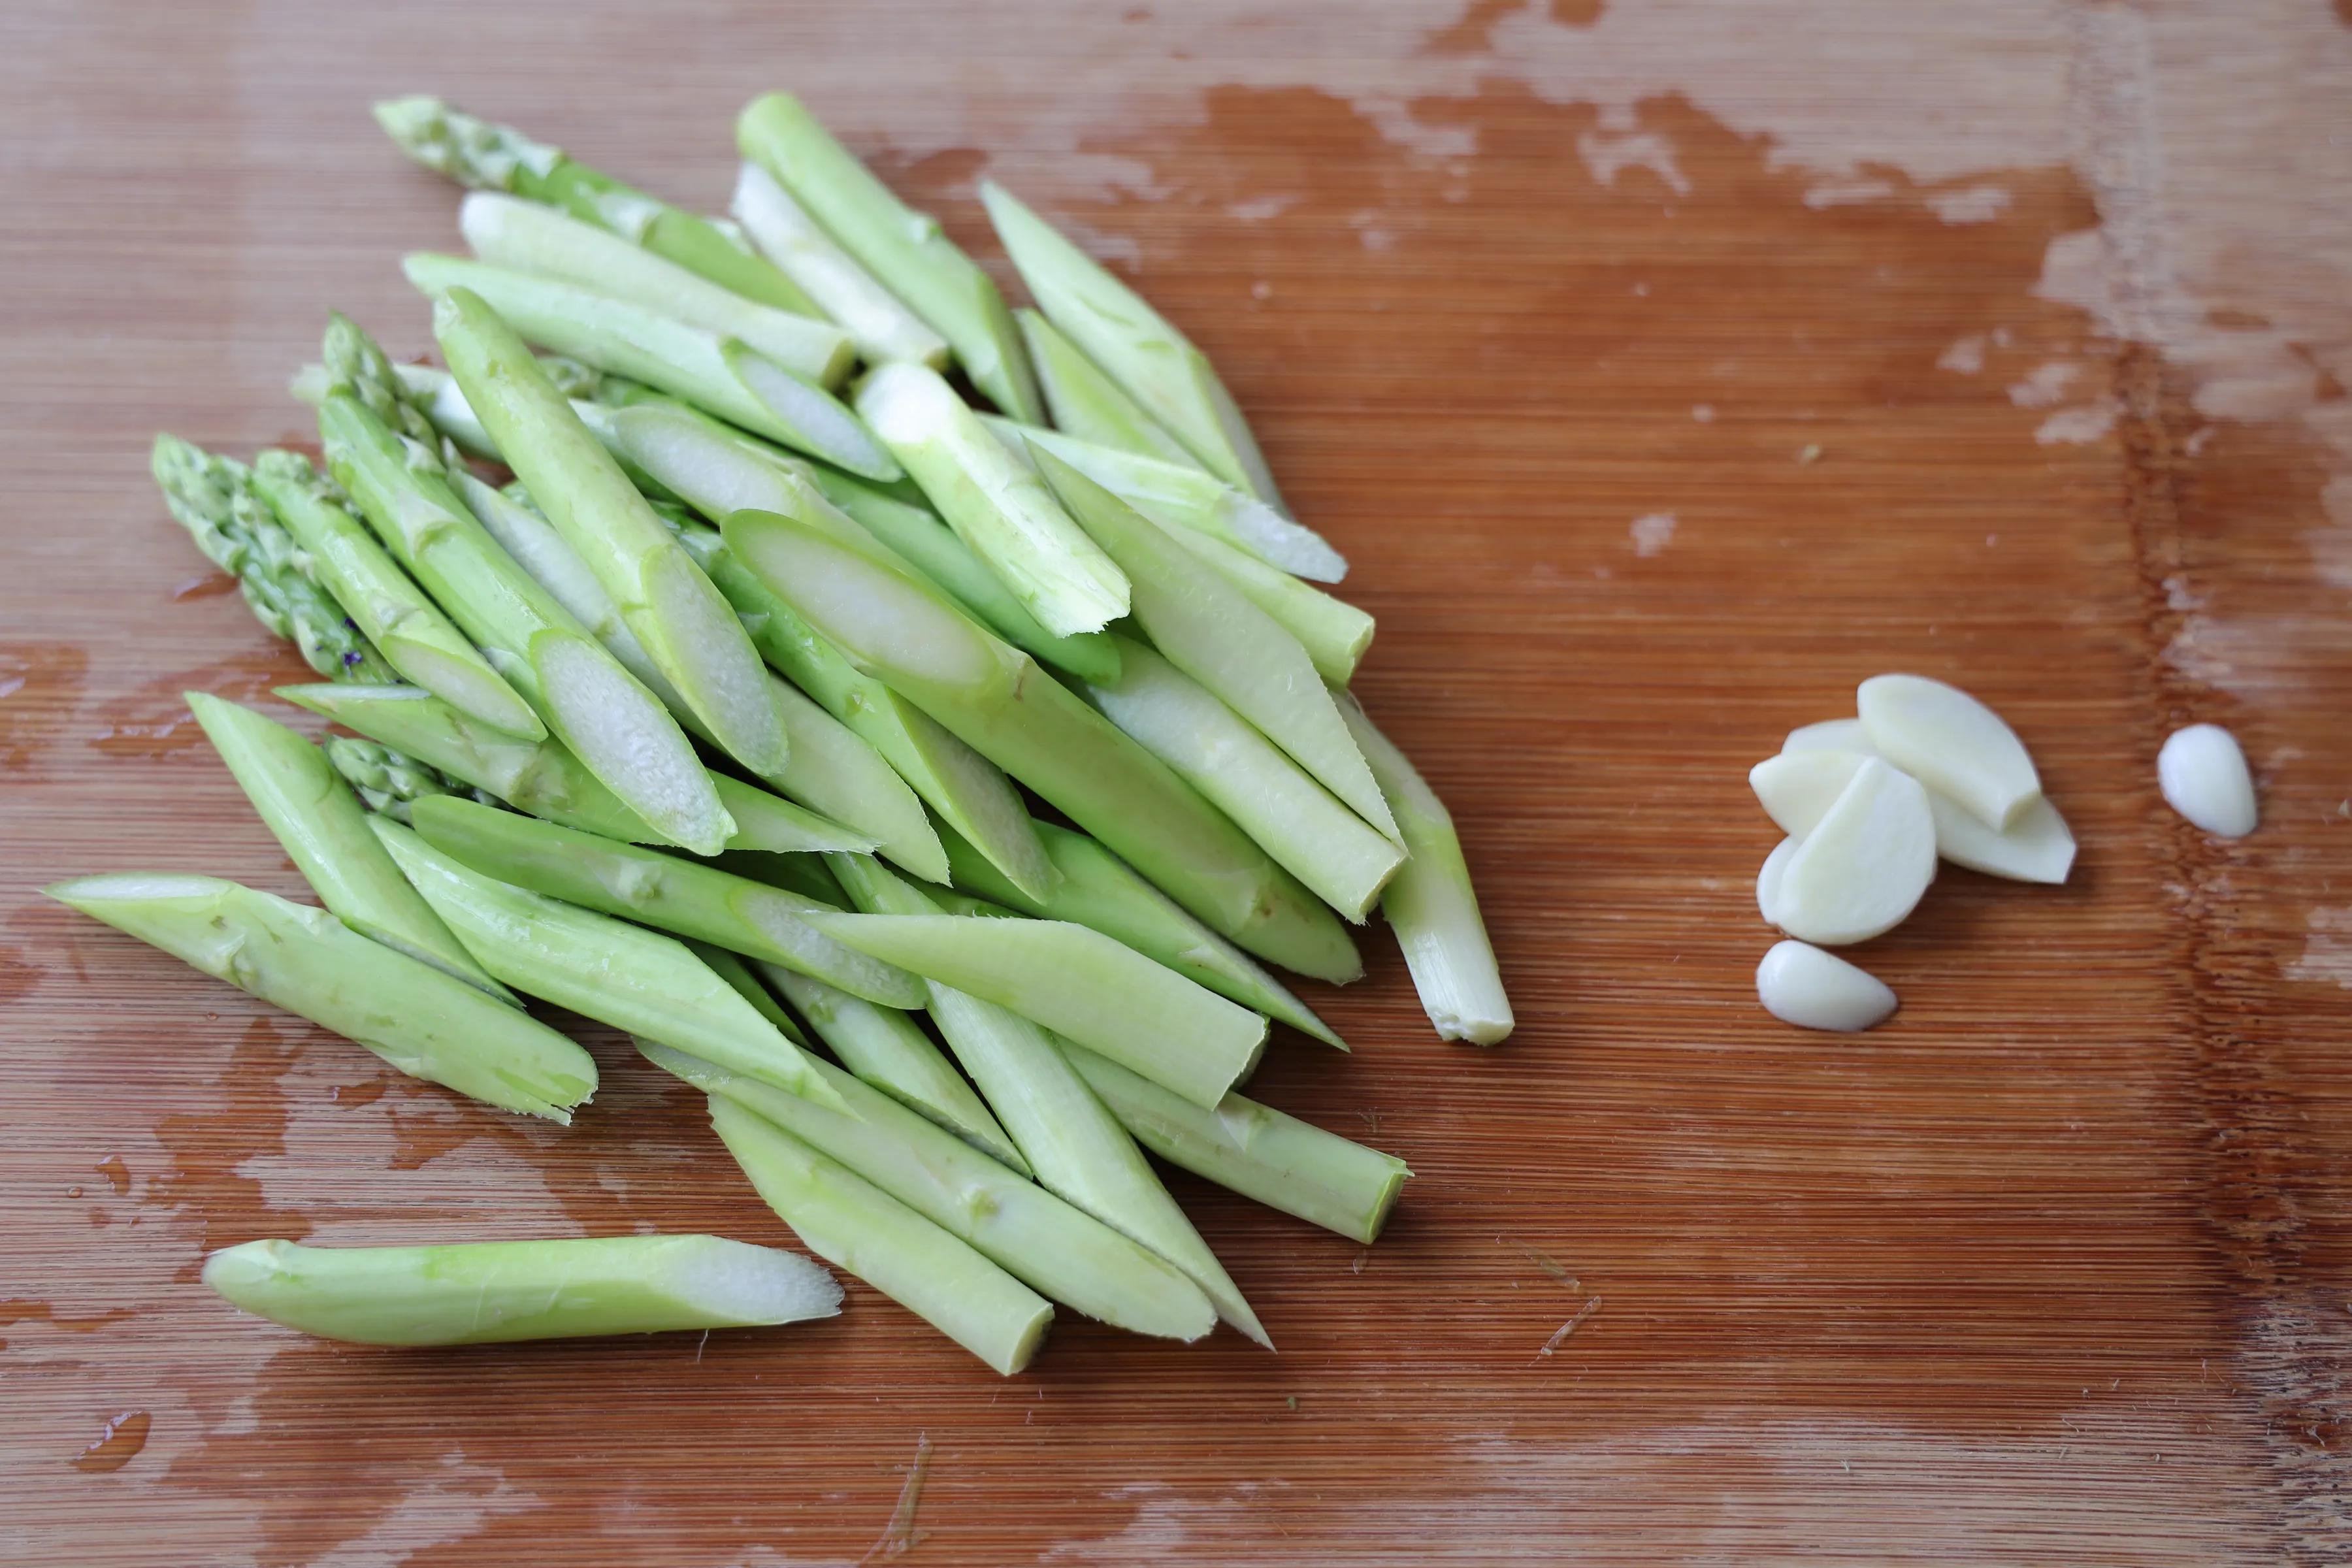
1664,369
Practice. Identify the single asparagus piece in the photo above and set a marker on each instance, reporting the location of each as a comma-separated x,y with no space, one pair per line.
1043,1241
386,780
686,627
601,968
1078,983
883,329
1136,345
1088,404
423,1021
722,374
299,796
495,1292
854,1226
885,1047
392,612
903,248
1432,906
1096,888
737,973
1256,1150
1334,633
995,505
485,156
998,702
1310,833
1211,632
664,890
212,499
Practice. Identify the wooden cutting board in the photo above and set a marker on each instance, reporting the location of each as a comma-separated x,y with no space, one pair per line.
1665,370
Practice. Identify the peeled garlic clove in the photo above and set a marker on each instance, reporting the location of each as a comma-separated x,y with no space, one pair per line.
1768,880
1864,867
2205,779
2036,847
1830,735
1797,789
1815,990
1952,743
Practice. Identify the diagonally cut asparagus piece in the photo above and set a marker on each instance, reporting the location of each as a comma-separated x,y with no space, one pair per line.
601,968
903,248
882,328
524,237
424,1022
1096,888
655,888
1078,983
487,156
1211,632
857,1227
496,1292
1334,633
391,610
1256,1150
1044,1242
1432,906
1296,820
1088,404
1000,704
678,617
1140,349
298,796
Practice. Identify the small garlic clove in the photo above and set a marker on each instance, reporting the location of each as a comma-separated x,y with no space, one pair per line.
1801,984
1768,880
2205,778
1950,742
1830,735
1798,788
2037,847
1864,867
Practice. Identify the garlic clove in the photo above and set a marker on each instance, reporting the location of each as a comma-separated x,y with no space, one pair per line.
1865,865
2205,778
1950,742
1801,984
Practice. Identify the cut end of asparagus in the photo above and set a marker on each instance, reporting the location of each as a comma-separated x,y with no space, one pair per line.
612,723
820,422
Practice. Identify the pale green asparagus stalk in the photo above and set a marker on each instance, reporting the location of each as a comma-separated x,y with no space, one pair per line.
683,623
1044,1242
389,609
1000,703
1432,906
324,830
423,1021
903,248
212,499
387,780
1334,633
485,156
857,1227
995,505
1096,889
1211,632
883,329
600,967
737,973
1070,1139
1256,1150
1088,404
1136,345
495,1292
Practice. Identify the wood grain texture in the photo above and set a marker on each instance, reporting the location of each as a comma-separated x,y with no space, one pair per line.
2006,345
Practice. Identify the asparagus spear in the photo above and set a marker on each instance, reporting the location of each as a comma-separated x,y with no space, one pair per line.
1096,889
746,985
854,1226
392,612
1256,1150
1213,632
722,374
387,780
1074,1145
424,1022
1432,906
1044,1242
495,1292
485,156
1311,834
601,968
883,329
1134,343
1334,633
885,1047
1088,404
996,700
295,789
997,507
902,248
212,499
663,891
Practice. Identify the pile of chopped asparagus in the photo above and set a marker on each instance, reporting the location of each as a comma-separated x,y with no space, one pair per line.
791,694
